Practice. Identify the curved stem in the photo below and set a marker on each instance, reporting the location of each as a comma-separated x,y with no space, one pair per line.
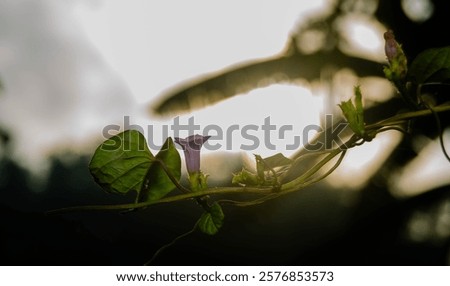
406,116
295,184
250,203
331,170
164,247
202,201
266,192
440,131
396,128
172,177
191,195
302,179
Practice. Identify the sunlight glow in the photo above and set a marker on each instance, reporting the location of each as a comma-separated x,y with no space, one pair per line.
418,10
291,106
428,170
364,36
154,46
148,47
286,105
98,61
362,162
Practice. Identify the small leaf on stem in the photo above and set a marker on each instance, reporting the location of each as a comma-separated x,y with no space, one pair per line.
211,221
354,113
245,178
277,160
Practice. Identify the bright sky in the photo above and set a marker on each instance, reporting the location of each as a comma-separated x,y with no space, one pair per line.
155,45
71,68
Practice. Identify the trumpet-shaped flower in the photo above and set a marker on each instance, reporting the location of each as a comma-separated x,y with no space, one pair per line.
191,146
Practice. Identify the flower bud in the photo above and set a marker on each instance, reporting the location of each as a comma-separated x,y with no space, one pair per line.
391,46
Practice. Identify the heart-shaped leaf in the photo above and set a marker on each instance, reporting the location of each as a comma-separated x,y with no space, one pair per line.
210,222
119,164
157,183
429,64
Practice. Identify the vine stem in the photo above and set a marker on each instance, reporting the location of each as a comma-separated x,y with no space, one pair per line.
185,196
441,132
175,240
288,187
300,182
172,177
400,118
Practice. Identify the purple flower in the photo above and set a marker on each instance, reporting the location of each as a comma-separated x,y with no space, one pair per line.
398,64
191,146
391,46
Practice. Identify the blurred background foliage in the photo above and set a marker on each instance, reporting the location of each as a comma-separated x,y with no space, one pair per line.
375,222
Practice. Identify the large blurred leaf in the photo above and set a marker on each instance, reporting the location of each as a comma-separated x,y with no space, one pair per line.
210,222
157,183
431,64
277,160
120,164
245,77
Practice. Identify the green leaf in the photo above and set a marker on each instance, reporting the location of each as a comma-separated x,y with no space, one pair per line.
354,113
265,171
119,164
210,222
157,183
277,160
245,177
430,64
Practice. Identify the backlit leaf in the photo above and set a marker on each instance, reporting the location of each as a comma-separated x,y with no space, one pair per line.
277,160
210,222
119,164
431,65
354,113
157,183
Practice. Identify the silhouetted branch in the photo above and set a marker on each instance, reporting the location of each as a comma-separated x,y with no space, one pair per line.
245,77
